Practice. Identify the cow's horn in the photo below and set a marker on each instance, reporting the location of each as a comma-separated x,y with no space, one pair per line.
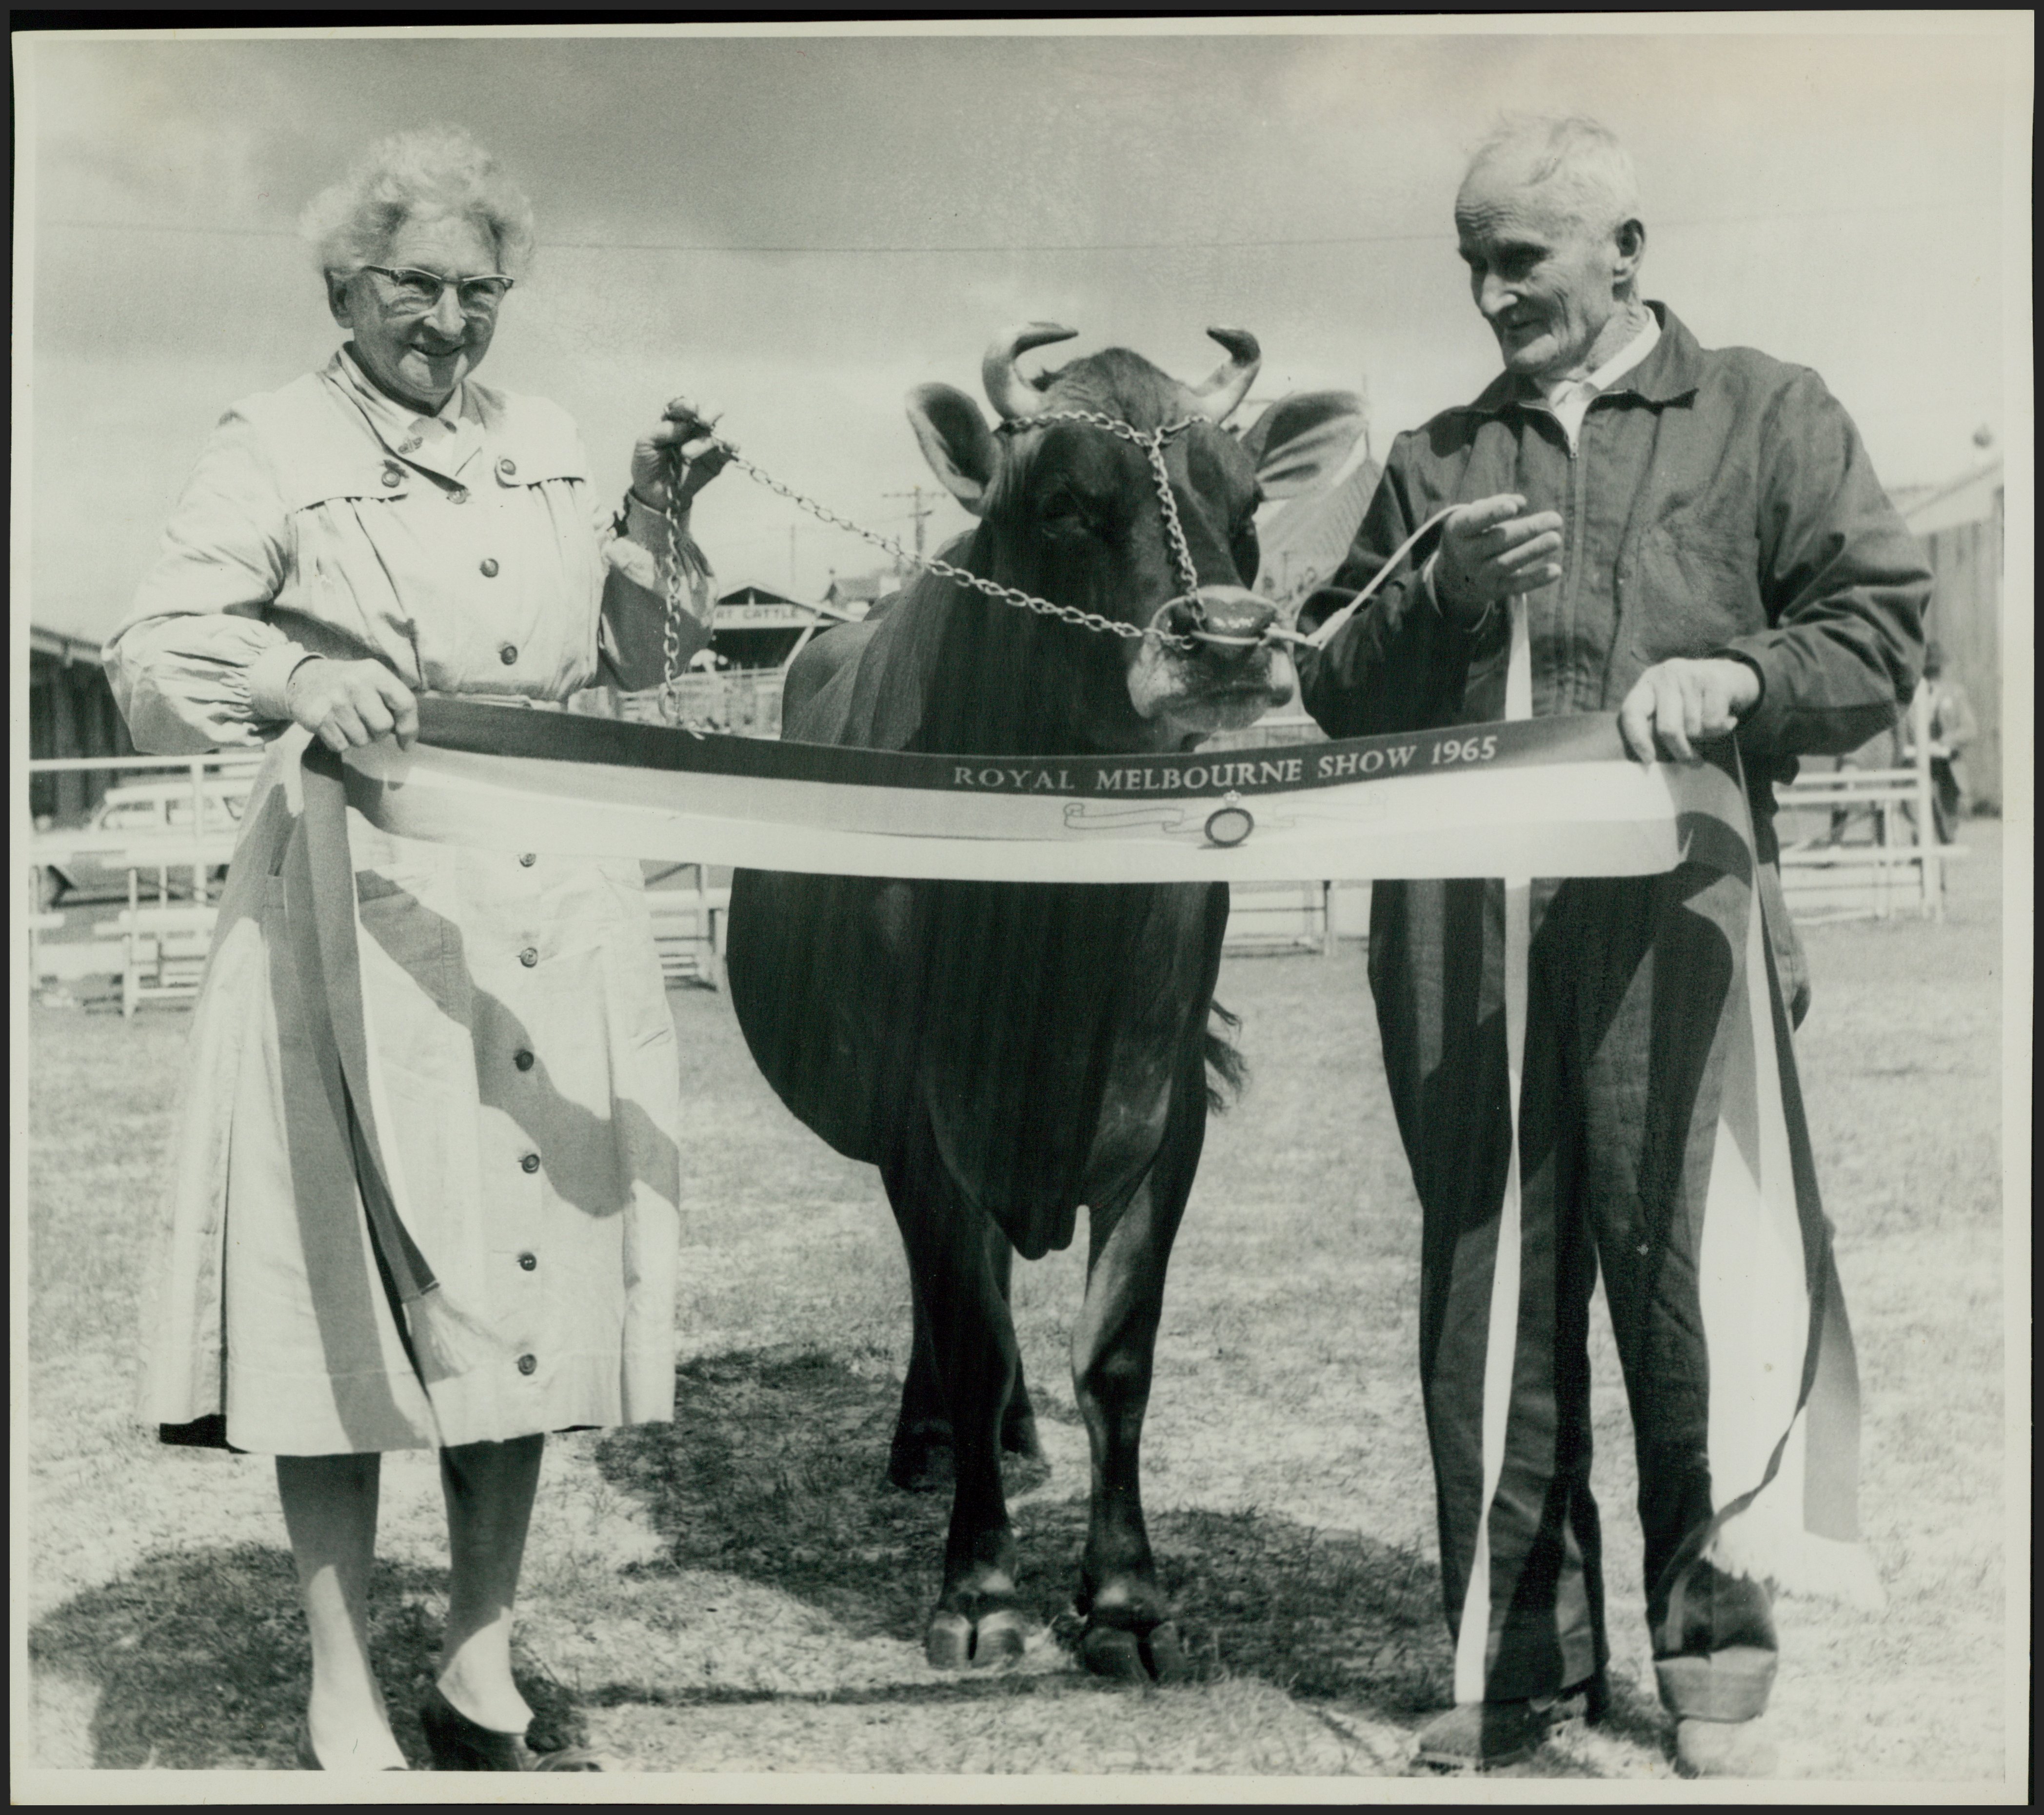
1006,389
1220,395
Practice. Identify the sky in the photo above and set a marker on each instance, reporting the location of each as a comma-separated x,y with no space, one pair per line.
797,230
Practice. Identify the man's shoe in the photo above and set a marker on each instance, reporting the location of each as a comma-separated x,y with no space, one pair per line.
1715,1652
1724,1748
1489,1736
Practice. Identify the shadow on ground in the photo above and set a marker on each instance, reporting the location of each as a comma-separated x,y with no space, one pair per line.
200,1660
772,1472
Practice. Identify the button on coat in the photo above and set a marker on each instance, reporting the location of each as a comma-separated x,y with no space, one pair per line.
287,543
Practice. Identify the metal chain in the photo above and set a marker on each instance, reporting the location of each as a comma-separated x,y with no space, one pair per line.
1152,443
670,625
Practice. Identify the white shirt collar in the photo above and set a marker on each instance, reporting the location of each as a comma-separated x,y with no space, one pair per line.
1616,366
1570,399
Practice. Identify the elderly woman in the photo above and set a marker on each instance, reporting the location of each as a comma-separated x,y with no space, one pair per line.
382,527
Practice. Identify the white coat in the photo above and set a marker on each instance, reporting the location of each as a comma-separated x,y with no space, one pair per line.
515,1007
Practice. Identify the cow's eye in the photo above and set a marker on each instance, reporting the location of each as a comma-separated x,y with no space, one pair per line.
1064,512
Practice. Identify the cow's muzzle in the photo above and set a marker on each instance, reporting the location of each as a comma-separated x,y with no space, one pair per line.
1228,620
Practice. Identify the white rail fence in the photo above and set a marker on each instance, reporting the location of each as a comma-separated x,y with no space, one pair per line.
156,949
1901,869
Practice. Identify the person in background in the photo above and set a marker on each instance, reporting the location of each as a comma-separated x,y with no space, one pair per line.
381,526
1952,727
1883,751
1694,538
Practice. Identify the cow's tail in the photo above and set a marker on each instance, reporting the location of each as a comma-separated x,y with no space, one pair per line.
1227,1071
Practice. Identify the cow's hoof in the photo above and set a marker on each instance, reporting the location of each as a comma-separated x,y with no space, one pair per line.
1165,1653
1157,1655
998,1639
1113,1652
954,1642
948,1642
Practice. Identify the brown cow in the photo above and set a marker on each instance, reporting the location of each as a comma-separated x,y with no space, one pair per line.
1009,1053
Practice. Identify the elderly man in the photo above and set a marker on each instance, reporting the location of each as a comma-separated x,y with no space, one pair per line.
1694,538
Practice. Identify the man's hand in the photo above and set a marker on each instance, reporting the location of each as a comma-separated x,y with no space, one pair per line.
345,704
1682,704
1490,550
683,431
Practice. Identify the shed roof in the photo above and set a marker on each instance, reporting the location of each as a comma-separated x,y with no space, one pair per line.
1970,498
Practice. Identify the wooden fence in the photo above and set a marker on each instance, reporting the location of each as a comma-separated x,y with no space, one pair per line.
1964,620
1895,865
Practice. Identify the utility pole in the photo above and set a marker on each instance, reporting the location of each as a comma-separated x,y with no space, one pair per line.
792,590
918,510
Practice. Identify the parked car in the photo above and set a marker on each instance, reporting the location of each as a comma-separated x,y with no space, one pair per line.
139,808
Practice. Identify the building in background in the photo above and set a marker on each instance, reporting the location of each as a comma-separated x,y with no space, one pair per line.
1305,539
1960,525
858,593
72,712
753,626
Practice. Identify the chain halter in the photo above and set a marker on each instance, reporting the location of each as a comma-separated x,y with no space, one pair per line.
1151,441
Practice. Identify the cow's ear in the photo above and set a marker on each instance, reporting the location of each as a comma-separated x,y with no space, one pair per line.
955,440
1301,442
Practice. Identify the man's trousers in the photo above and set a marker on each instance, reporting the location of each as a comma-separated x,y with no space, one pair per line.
1636,996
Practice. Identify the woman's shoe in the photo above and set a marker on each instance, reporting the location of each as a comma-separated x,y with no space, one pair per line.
460,1743
309,1758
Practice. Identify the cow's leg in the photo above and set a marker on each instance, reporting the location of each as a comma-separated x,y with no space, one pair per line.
919,1460
972,1344
1018,1418
1128,1631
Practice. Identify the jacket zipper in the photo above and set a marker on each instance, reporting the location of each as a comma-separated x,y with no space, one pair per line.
1571,562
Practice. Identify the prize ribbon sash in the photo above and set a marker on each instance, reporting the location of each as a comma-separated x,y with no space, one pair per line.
1531,797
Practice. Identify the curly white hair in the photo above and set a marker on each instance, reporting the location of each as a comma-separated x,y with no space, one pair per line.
1578,162
438,170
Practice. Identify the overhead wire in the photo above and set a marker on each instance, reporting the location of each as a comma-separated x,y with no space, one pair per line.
1304,243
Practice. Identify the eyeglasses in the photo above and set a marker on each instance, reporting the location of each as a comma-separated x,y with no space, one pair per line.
420,290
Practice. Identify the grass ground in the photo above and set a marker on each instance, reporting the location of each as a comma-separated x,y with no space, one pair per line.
741,1592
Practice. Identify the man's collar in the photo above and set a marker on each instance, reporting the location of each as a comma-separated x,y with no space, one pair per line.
1671,371
1606,376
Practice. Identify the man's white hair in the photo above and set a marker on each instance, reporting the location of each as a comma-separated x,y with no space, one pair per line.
1578,164
436,171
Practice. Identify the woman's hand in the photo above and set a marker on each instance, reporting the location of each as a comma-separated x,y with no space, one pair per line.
683,429
349,703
